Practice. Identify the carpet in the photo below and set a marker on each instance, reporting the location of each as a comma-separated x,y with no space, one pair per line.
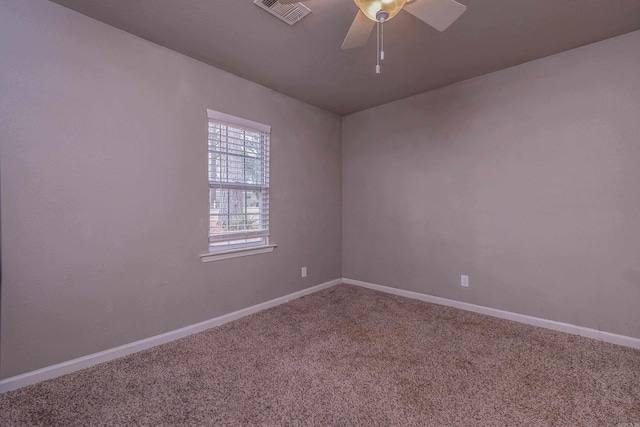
349,356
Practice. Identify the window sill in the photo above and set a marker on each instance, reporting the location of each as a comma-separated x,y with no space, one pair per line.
235,253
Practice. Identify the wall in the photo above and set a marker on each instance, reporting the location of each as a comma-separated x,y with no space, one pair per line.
525,179
104,190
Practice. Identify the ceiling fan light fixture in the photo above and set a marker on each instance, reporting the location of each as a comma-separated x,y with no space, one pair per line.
440,14
370,8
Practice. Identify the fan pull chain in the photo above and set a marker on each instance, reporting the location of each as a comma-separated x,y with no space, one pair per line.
382,41
378,47
381,17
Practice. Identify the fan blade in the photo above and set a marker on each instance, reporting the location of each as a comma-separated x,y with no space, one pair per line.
359,32
437,13
291,1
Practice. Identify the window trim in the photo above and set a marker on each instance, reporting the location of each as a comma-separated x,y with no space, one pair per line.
239,250
216,115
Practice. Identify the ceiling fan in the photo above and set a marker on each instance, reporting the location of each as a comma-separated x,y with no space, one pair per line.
439,14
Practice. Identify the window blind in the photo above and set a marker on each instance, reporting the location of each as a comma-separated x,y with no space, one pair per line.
238,182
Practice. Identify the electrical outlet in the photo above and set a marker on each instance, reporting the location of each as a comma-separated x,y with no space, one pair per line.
464,281
303,272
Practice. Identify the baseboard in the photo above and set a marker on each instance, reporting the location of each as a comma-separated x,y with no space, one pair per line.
522,318
67,367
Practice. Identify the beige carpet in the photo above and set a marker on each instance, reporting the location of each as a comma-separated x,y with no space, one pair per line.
349,356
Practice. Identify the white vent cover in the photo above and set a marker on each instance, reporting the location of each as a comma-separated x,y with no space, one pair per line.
289,13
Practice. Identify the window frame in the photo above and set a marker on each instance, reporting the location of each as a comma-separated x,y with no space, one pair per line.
232,250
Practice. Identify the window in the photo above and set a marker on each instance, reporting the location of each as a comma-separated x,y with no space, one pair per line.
238,184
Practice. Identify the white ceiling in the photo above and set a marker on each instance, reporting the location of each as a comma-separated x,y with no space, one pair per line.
305,60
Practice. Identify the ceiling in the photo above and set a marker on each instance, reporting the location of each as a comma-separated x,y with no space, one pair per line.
305,61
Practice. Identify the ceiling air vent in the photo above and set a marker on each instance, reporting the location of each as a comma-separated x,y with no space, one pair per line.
289,13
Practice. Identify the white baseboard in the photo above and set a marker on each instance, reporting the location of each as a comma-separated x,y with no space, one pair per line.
69,366
522,318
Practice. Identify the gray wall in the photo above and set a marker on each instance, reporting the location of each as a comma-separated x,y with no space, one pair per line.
526,179
104,190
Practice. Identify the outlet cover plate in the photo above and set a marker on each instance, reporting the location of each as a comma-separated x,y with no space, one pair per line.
464,281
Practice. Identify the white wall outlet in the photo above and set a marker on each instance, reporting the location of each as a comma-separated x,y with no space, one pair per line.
464,281
303,272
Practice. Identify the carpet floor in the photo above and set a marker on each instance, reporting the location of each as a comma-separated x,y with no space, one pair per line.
349,356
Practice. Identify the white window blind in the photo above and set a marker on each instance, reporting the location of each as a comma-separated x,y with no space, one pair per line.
238,182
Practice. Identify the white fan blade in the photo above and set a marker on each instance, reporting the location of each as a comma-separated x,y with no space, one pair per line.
437,13
290,1
359,32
